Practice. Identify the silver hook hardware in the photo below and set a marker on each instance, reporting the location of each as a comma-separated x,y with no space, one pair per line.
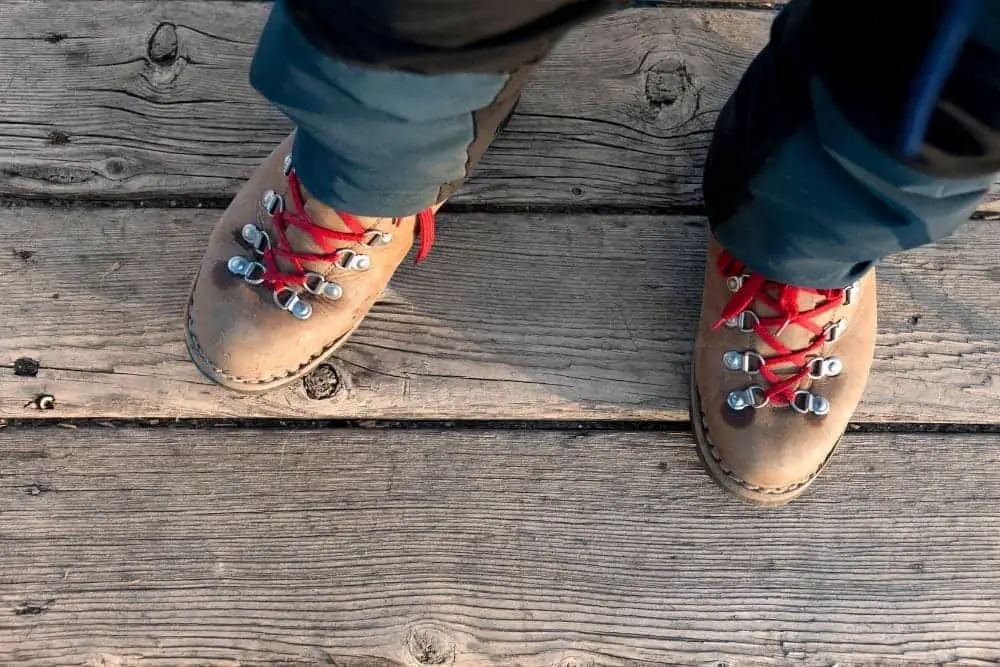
348,259
745,321
375,238
806,402
273,202
751,397
735,283
829,367
246,268
835,330
749,362
288,299
286,165
850,293
256,237
320,286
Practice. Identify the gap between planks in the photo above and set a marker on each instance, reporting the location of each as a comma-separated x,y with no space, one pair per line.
513,317
144,547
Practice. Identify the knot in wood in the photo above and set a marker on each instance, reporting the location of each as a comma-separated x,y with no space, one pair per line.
26,367
430,646
666,82
322,383
163,46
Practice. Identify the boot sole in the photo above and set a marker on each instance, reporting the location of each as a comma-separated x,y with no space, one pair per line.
720,476
263,387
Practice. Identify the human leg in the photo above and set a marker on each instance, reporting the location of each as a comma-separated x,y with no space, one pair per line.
832,154
394,101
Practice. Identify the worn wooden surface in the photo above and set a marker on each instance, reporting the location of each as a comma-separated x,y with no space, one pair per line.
211,547
341,547
620,114
124,99
521,316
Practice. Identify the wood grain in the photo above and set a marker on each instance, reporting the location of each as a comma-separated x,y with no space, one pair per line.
100,104
514,316
620,114
230,547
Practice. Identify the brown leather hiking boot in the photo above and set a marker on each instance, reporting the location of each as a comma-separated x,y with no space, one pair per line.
286,279
778,371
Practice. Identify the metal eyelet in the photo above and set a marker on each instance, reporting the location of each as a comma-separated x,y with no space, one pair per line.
316,284
749,362
348,259
247,269
273,202
735,283
286,165
806,402
850,293
288,299
375,238
745,321
828,367
751,397
256,237
835,330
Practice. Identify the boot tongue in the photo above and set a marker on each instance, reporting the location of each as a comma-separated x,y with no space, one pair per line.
793,336
301,241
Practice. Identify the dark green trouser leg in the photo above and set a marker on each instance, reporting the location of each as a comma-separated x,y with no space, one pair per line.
807,180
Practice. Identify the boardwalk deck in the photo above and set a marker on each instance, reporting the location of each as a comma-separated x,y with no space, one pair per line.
574,527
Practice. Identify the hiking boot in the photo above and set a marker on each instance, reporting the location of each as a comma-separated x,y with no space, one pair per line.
778,371
286,279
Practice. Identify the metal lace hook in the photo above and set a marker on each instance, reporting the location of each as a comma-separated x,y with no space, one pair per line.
288,299
317,284
258,239
351,260
749,362
751,397
244,267
806,402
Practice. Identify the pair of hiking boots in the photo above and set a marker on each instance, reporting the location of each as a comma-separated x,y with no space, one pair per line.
777,370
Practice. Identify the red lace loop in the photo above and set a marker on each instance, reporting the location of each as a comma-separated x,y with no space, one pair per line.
784,300
282,218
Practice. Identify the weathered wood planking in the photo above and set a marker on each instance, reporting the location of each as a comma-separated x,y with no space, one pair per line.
513,316
620,114
341,547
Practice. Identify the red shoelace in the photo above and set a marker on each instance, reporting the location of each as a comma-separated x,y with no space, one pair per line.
282,218
784,300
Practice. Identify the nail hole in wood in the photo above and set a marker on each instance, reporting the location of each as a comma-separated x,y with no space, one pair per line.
43,402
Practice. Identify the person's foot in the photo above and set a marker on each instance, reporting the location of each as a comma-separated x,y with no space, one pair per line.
286,280
777,374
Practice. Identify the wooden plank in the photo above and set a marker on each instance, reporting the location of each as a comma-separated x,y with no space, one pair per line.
514,316
340,547
620,113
